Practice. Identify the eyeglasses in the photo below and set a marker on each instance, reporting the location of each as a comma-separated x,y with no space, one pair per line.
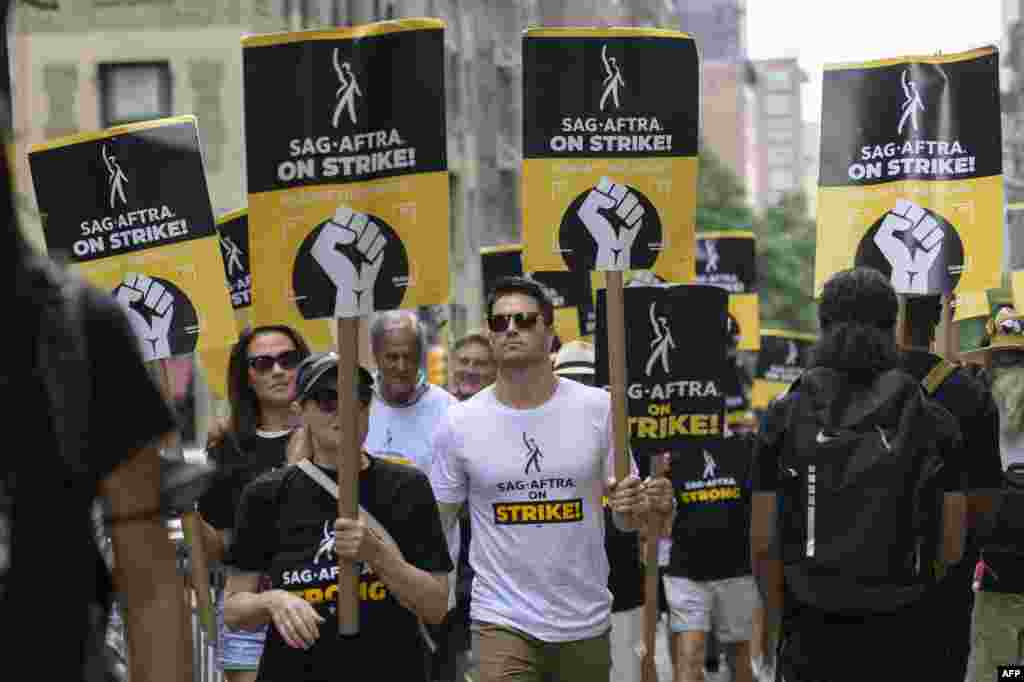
327,398
289,359
524,321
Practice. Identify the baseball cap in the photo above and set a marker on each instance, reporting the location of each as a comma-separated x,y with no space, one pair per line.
575,358
321,369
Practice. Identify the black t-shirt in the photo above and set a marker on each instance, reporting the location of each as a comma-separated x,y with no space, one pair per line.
285,530
625,572
55,569
237,467
970,401
711,533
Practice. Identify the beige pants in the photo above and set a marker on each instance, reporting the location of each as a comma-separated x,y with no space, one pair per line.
997,634
505,654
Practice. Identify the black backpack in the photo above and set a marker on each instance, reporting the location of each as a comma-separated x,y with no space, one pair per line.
860,521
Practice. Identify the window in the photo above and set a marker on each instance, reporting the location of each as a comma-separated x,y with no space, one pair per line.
778,105
134,91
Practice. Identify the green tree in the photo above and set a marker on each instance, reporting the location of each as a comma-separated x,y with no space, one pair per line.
721,197
785,242
786,238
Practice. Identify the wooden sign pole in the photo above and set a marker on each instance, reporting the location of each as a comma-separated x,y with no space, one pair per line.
348,468
950,341
648,668
616,315
190,528
902,324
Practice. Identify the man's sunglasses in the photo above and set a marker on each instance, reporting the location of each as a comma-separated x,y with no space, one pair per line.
289,359
524,321
327,398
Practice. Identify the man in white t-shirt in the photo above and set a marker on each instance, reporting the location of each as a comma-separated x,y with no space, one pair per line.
533,455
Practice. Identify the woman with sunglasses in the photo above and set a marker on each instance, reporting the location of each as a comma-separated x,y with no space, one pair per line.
288,529
254,440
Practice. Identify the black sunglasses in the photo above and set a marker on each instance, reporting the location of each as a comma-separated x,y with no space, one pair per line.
289,359
327,398
524,321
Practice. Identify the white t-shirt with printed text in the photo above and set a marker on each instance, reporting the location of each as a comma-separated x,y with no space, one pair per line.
534,480
407,431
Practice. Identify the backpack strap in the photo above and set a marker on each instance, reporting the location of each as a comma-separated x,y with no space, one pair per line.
937,376
372,524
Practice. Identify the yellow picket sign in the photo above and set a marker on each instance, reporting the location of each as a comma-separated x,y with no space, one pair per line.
603,190
913,188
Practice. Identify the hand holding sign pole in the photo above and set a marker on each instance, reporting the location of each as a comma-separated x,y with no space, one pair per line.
356,226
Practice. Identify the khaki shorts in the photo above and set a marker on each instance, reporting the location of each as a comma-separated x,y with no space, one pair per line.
727,606
505,654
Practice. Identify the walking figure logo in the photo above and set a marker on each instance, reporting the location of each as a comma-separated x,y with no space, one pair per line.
661,343
793,354
711,252
326,548
710,468
911,104
116,179
613,78
348,90
533,454
232,254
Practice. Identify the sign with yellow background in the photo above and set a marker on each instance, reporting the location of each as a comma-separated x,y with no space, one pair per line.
782,359
728,259
347,170
235,248
911,172
130,209
610,152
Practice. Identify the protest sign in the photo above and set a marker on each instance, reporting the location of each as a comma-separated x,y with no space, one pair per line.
129,208
675,363
782,359
728,259
348,195
911,172
569,291
347,168
609,153
233,233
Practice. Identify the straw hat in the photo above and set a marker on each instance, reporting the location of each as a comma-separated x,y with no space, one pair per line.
1005,332
575,358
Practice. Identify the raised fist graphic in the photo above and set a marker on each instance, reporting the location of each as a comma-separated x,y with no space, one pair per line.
910,264
613,251
150,308
353,280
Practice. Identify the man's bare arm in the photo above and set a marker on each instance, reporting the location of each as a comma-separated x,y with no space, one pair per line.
145,572
765,559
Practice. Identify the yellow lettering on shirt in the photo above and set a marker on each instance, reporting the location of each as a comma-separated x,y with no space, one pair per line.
539,512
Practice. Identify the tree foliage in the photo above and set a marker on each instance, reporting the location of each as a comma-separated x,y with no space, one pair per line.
785,242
